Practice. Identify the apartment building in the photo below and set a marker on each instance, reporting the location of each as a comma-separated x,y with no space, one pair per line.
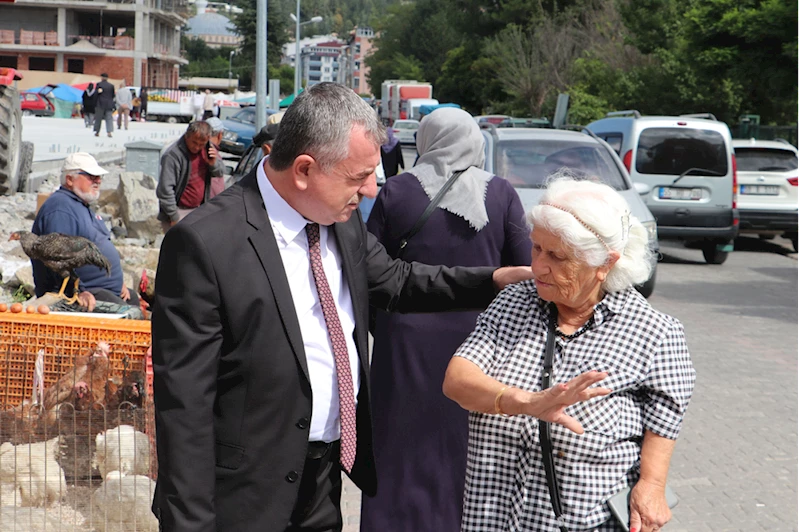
134,40
319,62
354,71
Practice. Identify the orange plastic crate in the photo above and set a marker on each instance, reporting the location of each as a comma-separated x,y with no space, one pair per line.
63,338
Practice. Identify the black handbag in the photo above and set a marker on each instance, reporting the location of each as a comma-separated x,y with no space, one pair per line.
427,212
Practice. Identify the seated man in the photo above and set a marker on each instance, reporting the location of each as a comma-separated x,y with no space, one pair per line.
67,211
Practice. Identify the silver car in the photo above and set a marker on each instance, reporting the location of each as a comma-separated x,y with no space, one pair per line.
527,157
405,131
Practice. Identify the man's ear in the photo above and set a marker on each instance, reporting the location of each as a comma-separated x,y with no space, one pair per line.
302,168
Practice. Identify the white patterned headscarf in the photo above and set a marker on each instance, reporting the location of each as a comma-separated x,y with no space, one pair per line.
449,140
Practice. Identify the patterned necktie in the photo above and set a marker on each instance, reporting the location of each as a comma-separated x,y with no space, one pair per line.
346,396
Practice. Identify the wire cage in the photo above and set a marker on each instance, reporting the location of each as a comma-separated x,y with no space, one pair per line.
77,438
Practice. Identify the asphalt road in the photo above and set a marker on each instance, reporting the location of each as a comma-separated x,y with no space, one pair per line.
735,465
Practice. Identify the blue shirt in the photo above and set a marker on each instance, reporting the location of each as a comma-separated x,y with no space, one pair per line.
66,213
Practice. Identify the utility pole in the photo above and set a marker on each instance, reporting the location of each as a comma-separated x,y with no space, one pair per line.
297,62
260,65
230,72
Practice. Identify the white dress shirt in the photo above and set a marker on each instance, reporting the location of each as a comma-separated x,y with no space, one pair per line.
292,241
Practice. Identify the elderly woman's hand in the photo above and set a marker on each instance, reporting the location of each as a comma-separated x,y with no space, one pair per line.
648,508
550,404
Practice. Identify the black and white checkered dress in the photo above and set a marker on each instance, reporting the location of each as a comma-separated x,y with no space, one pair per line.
652,378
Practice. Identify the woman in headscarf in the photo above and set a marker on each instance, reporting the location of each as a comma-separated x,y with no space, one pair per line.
391,154
89,100
420,436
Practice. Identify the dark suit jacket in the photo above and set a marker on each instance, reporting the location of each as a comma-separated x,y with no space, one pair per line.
232,394
105,95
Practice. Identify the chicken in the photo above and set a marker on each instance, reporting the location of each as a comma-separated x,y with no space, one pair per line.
128,394
123,503
91,371
62,254
122,449
33,472
29,520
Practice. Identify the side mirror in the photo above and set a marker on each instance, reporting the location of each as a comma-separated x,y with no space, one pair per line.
229,169
642,188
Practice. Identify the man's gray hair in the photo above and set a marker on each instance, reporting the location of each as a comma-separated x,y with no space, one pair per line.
319,123
592,219
198,127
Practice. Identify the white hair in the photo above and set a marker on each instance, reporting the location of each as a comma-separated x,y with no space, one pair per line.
592,219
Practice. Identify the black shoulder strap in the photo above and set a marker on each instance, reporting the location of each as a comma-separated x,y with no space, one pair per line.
543,426
427,212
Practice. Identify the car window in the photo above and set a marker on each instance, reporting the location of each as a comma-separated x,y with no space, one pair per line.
248,161
245,115
528,163
614,140
405,125
765,160
672,151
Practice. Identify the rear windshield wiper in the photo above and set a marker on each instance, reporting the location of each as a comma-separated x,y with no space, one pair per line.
703,170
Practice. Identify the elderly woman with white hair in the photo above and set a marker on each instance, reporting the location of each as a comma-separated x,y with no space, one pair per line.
580,312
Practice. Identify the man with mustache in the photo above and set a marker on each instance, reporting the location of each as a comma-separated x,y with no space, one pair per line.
67,211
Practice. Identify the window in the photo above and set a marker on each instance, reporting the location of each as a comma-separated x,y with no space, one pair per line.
75,65
41,63
672,151
357,84
528,163
765,160
614,140
8,61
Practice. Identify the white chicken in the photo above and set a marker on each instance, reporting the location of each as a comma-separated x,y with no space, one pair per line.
123,503
122,449
32,471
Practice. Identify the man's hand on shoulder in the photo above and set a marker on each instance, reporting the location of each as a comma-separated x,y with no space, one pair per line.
125,293
511,274
87,300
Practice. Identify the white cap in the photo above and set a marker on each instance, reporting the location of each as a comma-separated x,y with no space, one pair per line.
216,125
83,162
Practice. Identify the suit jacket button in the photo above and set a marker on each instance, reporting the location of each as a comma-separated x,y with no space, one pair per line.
302,423
292,476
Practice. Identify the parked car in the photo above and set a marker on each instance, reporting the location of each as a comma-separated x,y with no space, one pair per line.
526,157
239,130
767,187
686,167
37,103
525,122
405,131
490,119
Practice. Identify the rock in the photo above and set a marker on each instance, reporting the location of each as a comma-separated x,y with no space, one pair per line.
24,277
139,205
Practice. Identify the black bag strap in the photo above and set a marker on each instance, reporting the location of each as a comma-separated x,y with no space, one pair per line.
543,426
427,212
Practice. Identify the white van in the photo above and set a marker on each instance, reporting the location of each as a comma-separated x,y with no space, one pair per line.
688,168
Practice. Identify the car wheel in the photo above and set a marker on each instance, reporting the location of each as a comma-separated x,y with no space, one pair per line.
172,120
712,253
648,287
792,238
766,237
27,112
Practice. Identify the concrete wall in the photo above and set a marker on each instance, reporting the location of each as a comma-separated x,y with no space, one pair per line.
39,19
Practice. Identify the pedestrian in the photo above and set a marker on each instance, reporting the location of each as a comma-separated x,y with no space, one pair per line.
391,154
136,111
581,311
420,436
124,101
143,96
208,105
261,371
105,105
197,101
217,131
187,167
89,99
68,211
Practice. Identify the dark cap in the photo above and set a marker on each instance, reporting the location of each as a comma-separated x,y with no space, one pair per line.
268,133
103,75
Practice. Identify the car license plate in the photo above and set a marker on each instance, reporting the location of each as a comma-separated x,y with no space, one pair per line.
680,193
760,190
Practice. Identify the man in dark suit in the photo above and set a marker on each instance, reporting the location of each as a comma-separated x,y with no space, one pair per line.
106,101
260,325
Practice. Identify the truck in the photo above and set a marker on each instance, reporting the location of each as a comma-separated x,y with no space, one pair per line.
168,105
396,91
16,156
411,107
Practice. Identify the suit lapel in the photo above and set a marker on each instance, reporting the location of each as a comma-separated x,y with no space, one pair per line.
265,245
345,242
